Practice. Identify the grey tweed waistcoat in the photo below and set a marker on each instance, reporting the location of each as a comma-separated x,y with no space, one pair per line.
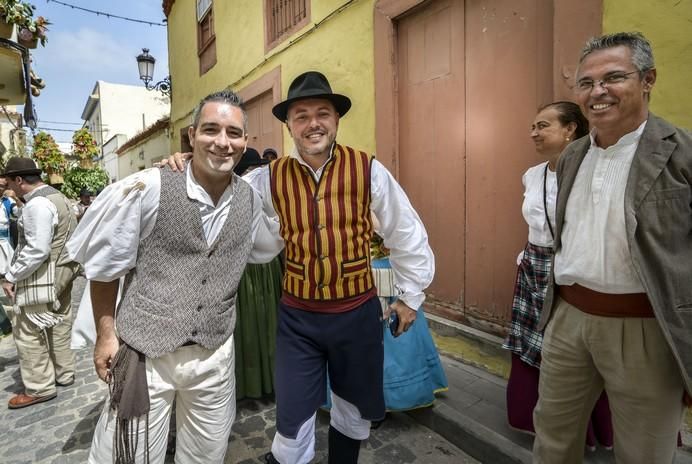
65,269
181,289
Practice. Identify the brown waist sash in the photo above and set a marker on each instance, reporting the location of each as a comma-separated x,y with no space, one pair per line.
606,304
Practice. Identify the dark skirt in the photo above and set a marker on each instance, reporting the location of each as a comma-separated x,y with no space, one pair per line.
255,332
522,396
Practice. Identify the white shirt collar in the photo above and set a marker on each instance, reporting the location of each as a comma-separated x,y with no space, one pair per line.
627,139
197,193
294,153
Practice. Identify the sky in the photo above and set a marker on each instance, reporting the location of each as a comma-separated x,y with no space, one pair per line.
83,48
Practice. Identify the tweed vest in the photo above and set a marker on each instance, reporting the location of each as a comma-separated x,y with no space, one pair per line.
182,289
65,269
67,222
326,225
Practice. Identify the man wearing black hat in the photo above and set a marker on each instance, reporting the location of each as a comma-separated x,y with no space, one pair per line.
43,322
251,159
329,316
330,320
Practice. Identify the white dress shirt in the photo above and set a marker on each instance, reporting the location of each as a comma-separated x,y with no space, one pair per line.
38,218
411,258
595,253
108,236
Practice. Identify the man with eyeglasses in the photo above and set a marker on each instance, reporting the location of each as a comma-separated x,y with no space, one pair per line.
622,295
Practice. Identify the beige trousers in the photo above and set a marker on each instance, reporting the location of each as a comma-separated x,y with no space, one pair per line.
629,357
44,355
202,383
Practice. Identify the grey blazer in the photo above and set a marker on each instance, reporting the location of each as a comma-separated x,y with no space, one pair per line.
658,220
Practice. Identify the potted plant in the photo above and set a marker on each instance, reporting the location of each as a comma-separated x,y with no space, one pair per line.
6,27
33,32
21,14
78,178
84,147
48,156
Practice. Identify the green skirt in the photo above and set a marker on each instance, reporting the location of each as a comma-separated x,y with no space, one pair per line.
255,331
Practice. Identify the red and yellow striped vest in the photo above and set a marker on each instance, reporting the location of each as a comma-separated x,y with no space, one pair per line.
326,225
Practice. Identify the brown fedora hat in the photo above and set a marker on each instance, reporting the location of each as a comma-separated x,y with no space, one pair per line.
20,166
311,84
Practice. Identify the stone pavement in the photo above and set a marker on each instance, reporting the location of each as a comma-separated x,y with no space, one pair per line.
472,415
60,431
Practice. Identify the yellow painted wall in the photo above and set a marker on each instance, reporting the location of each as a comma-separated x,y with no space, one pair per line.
668,26
341,47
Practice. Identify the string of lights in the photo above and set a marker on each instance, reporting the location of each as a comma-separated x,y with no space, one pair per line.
108,15
54,129
61,122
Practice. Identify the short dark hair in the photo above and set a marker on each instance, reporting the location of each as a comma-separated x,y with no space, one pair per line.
568,112
642,55
31,179
223,96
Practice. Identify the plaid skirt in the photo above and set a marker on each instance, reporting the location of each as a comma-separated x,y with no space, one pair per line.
533,273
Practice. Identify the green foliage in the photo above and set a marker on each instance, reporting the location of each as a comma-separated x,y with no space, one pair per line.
47,154
77,178
22,14
83,145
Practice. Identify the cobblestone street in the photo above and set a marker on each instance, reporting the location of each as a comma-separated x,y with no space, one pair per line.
60,431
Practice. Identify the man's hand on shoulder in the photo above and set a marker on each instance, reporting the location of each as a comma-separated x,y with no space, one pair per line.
176,161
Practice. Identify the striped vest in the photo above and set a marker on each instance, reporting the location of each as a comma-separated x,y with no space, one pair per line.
326,225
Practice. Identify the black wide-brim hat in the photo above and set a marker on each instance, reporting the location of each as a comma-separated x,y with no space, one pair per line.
311,84
250,158
20,166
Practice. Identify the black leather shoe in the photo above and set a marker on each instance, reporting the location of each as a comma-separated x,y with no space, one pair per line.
270,459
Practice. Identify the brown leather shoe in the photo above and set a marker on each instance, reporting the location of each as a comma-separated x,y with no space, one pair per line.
23,400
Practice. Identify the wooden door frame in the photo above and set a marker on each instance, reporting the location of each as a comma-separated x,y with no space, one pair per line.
270,81
386,76
570,21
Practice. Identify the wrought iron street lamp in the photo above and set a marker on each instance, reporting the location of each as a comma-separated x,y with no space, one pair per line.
146,62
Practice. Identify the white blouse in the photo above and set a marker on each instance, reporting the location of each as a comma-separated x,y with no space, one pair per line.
533,207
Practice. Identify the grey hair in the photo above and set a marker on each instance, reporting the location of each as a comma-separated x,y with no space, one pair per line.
642,56
223,96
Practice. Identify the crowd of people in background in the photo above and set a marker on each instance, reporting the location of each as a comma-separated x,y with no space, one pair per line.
302,276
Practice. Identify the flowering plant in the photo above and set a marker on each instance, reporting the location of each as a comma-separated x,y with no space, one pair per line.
22,14
35,29
47,154
83,145
16,12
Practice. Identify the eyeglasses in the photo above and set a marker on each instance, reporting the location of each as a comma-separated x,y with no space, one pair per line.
586,85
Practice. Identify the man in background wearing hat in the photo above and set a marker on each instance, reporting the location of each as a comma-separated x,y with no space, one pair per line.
85,198
330,319
269,154
41,332
251,160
